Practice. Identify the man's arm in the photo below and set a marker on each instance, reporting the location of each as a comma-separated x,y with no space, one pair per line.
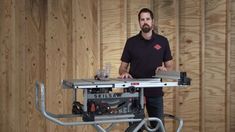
123,70
167,66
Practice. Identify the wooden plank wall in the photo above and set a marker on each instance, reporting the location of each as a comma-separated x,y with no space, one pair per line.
22,61
50,40
189,56
58,48
231,74
215,66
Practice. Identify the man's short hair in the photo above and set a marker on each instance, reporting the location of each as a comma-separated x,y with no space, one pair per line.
147,11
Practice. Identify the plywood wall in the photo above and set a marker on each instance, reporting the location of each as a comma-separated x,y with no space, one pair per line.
231,66
50,40
215,66
22,61
189,56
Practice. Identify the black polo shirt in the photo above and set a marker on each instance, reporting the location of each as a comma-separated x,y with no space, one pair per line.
145,56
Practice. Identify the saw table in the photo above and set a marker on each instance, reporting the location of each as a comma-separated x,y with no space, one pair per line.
103,106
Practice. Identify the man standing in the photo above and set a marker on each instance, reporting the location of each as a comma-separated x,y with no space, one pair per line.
146,53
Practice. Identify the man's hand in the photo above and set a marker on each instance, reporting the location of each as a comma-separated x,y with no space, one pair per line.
161,68
123,70
125,75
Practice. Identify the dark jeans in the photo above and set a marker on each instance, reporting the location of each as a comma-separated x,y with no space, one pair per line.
155,108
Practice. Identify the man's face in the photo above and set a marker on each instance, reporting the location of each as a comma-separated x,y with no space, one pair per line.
146,22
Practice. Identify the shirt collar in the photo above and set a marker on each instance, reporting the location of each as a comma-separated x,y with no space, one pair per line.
152,37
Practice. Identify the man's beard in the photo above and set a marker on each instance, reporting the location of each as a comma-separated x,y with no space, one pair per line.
146,28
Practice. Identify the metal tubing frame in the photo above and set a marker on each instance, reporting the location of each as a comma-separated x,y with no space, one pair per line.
179,120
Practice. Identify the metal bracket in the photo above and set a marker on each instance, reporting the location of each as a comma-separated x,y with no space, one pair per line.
182,78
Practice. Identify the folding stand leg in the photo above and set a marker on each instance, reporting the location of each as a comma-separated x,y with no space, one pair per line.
99,128
144,121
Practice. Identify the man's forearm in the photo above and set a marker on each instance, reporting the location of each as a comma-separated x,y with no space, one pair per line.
169,65
122,71
169,68
123,68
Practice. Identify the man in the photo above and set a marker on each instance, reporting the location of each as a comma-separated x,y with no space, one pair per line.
146,53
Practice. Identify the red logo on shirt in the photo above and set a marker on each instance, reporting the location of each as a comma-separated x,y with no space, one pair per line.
157,46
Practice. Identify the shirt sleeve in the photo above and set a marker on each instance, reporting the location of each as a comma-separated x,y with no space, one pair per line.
126,57
167,53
